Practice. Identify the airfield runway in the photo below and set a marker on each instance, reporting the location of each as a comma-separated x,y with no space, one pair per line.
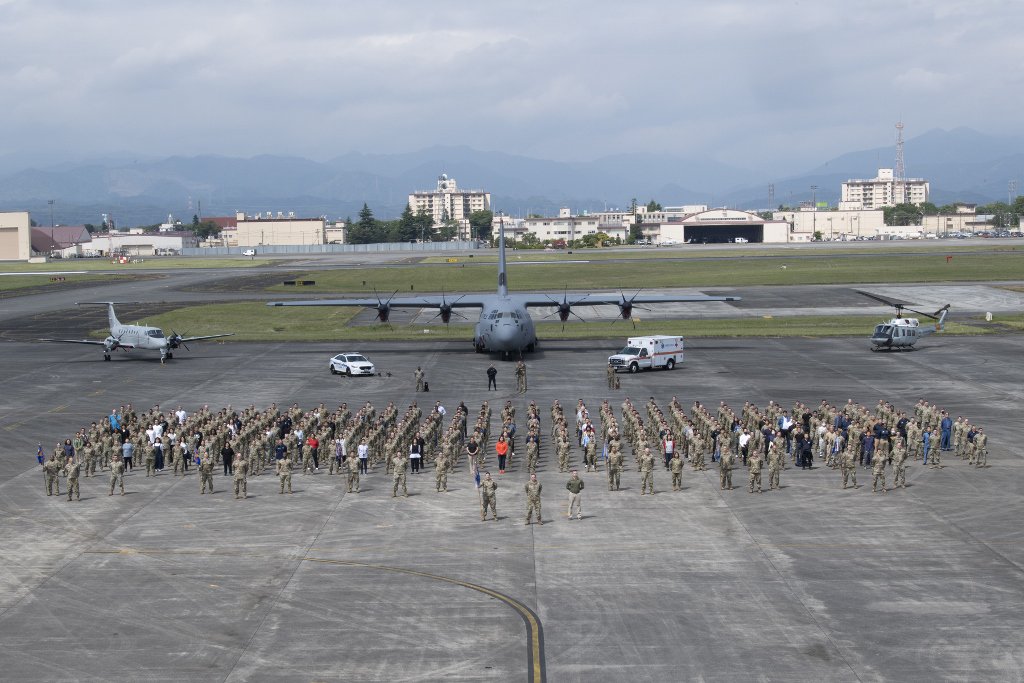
808,583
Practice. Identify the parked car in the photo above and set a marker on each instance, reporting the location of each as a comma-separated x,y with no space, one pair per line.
351,364
249,252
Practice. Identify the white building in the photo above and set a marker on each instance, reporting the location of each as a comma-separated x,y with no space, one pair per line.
883,191
833,225
15,235
569,227
135,243
448,202
258,230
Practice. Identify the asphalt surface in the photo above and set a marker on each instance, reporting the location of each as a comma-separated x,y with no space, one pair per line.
808,583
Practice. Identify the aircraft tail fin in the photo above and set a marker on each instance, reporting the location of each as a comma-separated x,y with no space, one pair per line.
111,316
502,274
941,315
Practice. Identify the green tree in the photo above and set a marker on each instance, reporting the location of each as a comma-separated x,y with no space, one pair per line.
481,224
530,241
406,228
636,233
448,231
205,229
366,230
653,206
902,214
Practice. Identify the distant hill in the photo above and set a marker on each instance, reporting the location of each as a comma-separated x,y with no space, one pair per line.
961,164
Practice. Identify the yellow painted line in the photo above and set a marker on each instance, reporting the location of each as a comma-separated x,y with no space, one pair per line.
58,409
534,630
14,425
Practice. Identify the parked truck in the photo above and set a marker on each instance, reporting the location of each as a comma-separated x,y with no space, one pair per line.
646,353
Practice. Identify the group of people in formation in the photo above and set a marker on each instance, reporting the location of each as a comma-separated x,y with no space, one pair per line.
249,443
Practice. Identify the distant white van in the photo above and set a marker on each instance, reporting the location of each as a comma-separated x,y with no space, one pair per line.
741,240
249,252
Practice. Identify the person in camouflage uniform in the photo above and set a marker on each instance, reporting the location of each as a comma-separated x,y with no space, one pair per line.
646,472
399,463
676,467
775,461
240,471
205,472
488,497
284,472
754,471
441,472
116,474
725,470
71,470
878,472
51,470
614,465
352,464
848,466
533,489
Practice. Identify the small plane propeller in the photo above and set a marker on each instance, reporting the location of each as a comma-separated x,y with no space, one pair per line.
563,308
175,340
626,307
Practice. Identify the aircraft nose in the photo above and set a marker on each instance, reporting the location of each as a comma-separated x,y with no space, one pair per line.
504,336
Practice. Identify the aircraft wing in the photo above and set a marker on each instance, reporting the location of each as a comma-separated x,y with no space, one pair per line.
458,301
614,299
86,341
209,336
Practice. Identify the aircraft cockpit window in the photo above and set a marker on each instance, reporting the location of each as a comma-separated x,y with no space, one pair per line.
156,334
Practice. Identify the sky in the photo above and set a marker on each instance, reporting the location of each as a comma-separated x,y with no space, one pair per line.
757,84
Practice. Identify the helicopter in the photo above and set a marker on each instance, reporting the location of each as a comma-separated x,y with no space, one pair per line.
902,333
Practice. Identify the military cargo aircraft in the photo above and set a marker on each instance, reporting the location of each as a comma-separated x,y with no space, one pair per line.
505,326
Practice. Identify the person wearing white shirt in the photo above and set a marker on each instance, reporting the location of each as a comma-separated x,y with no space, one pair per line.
363,451
744,440
181,415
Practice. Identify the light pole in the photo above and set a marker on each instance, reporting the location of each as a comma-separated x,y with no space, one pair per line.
50,202
814,210
829,228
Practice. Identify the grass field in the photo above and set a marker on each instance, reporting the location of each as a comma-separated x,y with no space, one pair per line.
149,263
729,251
11,284
257,322
467,277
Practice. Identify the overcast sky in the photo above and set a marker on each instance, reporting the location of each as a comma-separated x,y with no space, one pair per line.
755,83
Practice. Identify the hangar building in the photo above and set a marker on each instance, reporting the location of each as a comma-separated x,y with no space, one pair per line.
15,236
717,226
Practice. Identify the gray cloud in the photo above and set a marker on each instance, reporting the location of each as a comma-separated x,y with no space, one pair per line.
753,83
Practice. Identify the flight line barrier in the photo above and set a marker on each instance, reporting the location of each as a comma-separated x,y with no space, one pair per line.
282,249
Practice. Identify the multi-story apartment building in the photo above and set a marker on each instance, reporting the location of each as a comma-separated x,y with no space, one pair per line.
448,202
883,191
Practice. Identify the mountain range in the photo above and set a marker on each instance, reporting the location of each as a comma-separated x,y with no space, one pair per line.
961,165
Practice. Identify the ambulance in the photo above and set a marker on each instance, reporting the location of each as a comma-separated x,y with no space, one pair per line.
646,353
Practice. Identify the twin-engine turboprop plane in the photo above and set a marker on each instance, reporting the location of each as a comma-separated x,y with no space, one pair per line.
505,325
128,337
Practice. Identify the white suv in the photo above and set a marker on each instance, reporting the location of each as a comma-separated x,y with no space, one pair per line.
351,364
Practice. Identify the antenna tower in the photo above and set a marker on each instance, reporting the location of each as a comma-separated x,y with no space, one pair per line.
900,181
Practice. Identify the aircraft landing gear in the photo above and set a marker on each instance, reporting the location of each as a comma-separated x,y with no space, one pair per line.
106,356
170,355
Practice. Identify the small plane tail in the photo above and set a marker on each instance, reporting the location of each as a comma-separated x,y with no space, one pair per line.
111,316
502,274
940,316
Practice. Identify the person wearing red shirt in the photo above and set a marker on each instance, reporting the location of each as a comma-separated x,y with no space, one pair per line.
314,444
502,448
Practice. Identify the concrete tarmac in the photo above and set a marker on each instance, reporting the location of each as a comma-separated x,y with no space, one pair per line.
807,583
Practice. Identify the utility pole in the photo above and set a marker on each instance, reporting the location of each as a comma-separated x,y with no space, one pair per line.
50,202
814,209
